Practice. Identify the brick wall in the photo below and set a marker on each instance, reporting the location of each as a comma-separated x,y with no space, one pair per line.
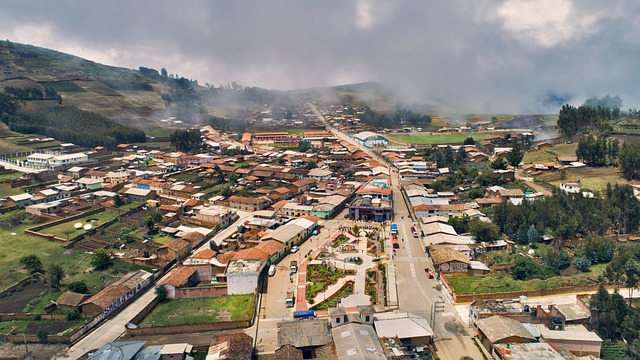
187,329
207,292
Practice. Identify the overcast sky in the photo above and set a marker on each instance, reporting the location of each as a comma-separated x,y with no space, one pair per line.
496,56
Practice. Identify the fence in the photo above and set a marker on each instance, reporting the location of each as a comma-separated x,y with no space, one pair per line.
187,329
200,292
35,230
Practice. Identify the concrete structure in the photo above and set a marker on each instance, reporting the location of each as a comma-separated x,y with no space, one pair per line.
412,330
575,339
367,209
50,160
140,195
215,215
242,276
370,139
357,342
526,351
249,204
501,330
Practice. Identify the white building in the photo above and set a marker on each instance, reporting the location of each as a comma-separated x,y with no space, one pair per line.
369,139
242,276
571,188
49,160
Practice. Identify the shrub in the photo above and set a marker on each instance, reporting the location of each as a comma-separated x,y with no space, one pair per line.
583,263
42,334
73,314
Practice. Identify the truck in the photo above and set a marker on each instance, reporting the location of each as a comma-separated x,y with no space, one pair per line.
304,314
290,300
293,267
394,228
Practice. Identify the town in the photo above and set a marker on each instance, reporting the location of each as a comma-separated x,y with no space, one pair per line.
332,240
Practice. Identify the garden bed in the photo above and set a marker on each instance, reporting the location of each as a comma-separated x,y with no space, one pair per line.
321,278
346,290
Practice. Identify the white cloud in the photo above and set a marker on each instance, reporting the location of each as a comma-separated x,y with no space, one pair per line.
545,22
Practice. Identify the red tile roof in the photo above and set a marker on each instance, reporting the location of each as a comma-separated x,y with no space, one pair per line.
179,277
205,254
270,247
176,245
107,296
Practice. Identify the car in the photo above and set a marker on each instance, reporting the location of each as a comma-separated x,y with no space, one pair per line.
429,273
294,249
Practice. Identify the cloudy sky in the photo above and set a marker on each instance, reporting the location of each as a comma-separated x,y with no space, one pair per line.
496,56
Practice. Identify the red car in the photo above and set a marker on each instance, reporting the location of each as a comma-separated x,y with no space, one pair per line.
429,274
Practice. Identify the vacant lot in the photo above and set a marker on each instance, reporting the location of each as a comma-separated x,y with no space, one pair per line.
191,311
591,178
68,229
422,138
497,283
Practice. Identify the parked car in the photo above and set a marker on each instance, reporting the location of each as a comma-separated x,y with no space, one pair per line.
429,273
294,249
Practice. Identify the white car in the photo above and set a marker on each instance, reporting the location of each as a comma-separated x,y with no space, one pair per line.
294,249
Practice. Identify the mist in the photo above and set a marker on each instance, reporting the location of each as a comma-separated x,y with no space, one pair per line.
512,56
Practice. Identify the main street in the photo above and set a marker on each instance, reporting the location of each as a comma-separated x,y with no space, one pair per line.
113,328
416,292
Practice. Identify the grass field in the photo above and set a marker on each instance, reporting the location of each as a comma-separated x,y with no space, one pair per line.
67,228
496,283
66,86
592,178
13,247
447,138
550,154
190,311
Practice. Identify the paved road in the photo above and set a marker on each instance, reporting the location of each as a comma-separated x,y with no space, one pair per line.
417,293
113,328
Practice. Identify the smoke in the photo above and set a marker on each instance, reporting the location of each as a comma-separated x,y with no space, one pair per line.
480,56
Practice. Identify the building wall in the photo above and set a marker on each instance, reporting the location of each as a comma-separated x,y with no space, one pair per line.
577,347
242,283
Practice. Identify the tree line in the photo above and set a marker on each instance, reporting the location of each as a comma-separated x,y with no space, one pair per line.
572,120
598,151
397,117
567,216
70,124
186,140
33,93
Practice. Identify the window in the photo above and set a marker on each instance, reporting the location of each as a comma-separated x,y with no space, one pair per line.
367,318
337,320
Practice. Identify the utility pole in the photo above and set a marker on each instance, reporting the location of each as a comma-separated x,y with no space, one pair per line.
438,307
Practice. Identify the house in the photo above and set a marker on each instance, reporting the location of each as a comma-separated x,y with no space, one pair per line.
185,276
118,350
273,248
52,207
21,200
305,337
502,330
174,249
365,208
292,233
320,174
410,329
243,274
140,195
230,347
575,339
571,187
70,300
523,351
89,183
179,351
424,210
449,260
249,204
488,202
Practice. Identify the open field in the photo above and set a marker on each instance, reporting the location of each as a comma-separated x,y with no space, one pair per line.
446,138
550,154
496,283
191,311
13,247
67,228
592,178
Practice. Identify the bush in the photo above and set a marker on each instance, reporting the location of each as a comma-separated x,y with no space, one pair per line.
73,314
583,263
161,293
78,286
100,259
42,334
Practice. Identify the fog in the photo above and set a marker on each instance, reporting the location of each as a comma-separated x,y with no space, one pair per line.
466,56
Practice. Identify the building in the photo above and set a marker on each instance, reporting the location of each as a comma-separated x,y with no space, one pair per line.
230,347
292,233
40,160
215,215
242,275
449,260
71,300
571,188
424,210
575,339
370,139
502,330
21,200
410,329
249,204
139,195
320,174
118,350
525,351
185,276
175,249
365,208
305,338
355,341
113,296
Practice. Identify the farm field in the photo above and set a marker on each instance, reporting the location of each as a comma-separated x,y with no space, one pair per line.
450,138
190,311
591,178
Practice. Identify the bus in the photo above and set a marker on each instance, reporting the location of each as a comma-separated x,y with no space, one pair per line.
304,314
394,228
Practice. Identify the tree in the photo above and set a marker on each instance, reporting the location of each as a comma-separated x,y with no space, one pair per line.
32,263
226,192
161,293
469,141
55,274
118,201
73,315
42,334
556,259
524,269
499,164
157,217
149,222
631,276
356,230
582,263
78,286
532,235
100,259
484,231
514,157
163,72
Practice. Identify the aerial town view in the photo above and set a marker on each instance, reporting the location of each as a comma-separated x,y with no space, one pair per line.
332,180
